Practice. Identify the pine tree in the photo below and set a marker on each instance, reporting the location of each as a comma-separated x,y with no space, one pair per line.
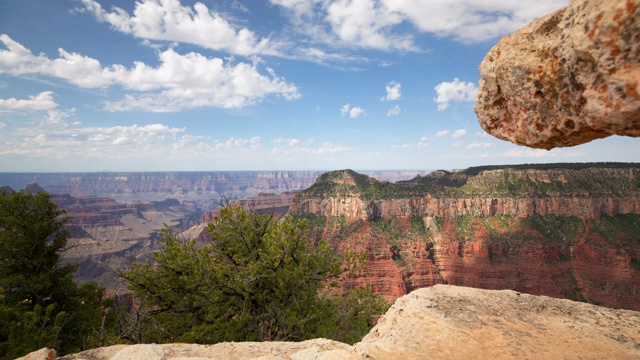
259,279
40,305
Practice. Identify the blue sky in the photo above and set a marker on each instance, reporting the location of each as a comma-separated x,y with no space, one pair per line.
178,85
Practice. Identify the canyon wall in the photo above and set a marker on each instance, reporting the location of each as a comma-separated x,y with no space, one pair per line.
572,233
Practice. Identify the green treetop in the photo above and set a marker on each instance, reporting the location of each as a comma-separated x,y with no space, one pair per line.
259,279
40,305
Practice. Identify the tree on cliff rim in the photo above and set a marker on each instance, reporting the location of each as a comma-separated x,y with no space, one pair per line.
260,279
40,305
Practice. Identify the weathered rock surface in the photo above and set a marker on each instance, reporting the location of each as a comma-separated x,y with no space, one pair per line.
565,79
447,322
441,322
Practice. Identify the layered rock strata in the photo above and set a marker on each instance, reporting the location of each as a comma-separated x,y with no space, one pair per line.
572,233
566,78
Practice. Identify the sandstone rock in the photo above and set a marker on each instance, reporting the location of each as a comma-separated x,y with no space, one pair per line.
42,354
448,322
320,349
441,322
565,79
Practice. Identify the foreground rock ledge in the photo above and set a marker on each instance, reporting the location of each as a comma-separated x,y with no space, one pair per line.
440,322
566,78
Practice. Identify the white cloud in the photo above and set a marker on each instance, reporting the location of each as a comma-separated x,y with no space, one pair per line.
393,91
366,24
479,145
290,142
482,134
353,112
178,82
455,91
356,112
472,21
459,134
344,110
394,111
382,24
42,101
168,20
144,146
441,133
239,144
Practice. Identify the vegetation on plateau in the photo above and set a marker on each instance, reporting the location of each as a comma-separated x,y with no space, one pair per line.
514,181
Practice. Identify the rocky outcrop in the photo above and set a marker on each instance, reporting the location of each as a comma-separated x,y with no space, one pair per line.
566,78
440,322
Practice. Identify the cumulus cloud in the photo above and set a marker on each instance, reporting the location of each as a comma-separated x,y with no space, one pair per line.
394,111
178,82
353,112
459,134
381,24
472,21
367,24
455,91
42,101
171,21
393,91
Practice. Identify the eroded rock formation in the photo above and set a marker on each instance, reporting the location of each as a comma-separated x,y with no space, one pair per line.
566,78
440,322
567,233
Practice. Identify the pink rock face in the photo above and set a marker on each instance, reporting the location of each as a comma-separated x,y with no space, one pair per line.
565,79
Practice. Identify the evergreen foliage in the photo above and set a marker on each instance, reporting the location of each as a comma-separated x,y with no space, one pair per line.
40,305
260,279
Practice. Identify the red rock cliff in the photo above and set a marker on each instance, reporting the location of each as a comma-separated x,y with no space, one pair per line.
563,233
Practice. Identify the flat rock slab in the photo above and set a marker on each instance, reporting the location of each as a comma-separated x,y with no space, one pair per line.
566,78
450,322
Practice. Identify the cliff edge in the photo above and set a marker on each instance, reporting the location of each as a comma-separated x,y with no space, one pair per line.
440,322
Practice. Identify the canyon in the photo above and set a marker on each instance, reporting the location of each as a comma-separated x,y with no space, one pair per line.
116,218
569,233
563,230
